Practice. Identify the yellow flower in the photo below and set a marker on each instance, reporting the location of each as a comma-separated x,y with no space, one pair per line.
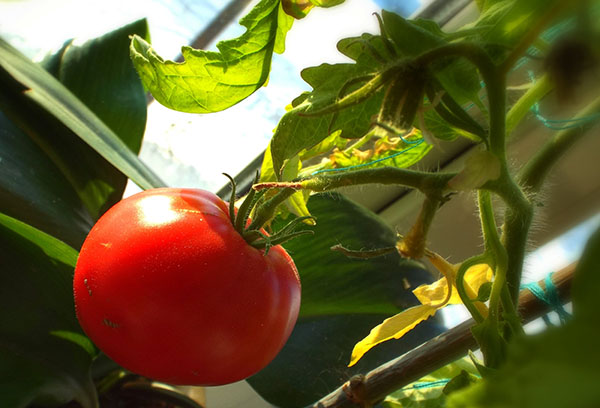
432,297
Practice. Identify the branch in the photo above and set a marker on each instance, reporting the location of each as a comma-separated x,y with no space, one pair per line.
266,210
369,389
428,183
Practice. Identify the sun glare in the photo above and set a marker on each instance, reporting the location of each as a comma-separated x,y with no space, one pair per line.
157,210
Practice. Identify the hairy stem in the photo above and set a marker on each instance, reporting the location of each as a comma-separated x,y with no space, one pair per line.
493,246
429,183
266,210
415,241
517,220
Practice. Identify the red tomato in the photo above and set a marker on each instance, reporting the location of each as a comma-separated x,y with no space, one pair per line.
166,287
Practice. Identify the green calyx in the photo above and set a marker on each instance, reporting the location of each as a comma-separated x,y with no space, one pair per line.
251,231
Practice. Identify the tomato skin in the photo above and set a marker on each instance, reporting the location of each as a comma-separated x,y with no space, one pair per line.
167,288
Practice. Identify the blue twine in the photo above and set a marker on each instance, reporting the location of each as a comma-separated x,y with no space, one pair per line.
549,297
413,144
429,384
560,124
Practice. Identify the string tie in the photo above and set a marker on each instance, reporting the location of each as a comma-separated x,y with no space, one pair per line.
549,297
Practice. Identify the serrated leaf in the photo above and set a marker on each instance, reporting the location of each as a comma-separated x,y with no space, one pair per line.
503,23
411,38
297,132
459,78
209,81
44,355
340,302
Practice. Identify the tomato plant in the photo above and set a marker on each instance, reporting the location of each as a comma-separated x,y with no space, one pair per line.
178,286
168,288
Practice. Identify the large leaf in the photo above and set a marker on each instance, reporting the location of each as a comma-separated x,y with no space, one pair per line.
557,368
503,23
100,73
459,78
34,190
301,128
49,113
44,184
342,299
210,81
296,131
44,356
300,8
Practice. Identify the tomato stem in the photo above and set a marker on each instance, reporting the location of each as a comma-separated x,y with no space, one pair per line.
231,199
247,206
252,233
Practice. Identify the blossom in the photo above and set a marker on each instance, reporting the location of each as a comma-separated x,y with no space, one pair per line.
432,297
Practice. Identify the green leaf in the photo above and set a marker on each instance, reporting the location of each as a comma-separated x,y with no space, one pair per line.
430,391
297,132
34,190
326,3
412,38
342,299
210,81
297,8
459,78
55,119
41,183
504,22
484,292
44,355
302,128
442,130
556,368
100,73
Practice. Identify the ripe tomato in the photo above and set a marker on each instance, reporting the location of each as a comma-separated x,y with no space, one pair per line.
166,287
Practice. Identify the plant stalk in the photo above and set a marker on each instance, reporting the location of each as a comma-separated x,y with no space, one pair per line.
433,184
